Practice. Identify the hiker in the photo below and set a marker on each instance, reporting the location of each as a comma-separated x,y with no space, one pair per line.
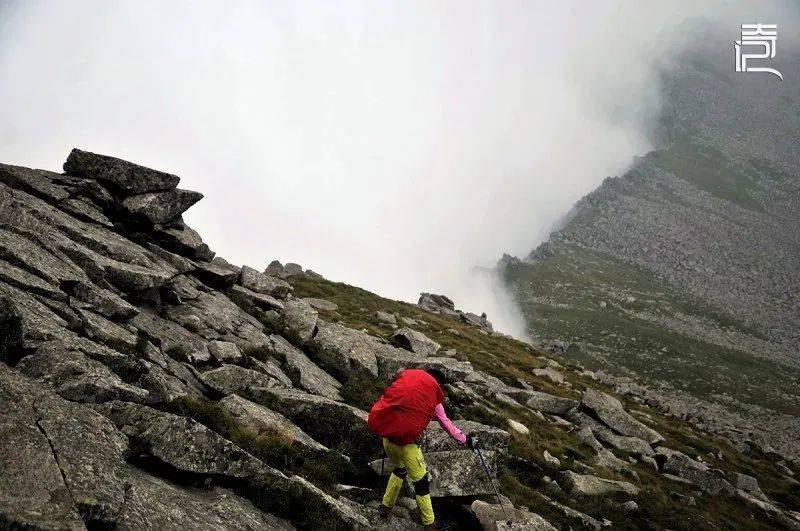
400,416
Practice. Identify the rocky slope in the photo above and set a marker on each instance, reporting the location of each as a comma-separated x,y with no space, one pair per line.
146,383
684,273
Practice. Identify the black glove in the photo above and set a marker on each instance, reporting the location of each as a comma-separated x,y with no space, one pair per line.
472,442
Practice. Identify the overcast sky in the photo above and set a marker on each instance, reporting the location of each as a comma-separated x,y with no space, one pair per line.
391,145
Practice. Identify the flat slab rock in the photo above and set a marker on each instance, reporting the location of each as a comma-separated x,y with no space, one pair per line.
700,474
589,485
155,504
305,372
185,241
263,421
214,276
64,466
435,439
610,411
452,473
322,304
100,300
305,410
260,283
632,445
341,348
161,207
544,402
36,182
171,338
126,176
190,447
183,443
392,361
587,521
260,300
225,351
32,489
414,341
233,379
76,377
493,517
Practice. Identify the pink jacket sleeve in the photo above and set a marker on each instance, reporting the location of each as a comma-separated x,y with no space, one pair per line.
448,425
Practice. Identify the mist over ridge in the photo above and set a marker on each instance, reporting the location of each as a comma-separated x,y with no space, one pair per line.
390,146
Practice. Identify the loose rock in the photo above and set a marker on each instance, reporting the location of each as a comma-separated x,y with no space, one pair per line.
161,207
493,518
588,485
232,379
386,317
518,427
267,423
126,176
414,341
225,351
610,411
322,304
261,283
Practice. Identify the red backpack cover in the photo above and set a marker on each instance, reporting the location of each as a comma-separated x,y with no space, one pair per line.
406,408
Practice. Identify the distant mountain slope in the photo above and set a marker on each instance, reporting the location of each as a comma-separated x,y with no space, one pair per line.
685,271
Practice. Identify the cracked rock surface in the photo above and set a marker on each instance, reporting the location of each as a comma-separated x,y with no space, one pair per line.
146,383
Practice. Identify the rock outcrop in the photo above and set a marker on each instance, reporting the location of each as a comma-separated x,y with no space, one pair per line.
127,177
147,383
609,410
414,341
589,485
493,517
684,267
265,422
111,311
443,305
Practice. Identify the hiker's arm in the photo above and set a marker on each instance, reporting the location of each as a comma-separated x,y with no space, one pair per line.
448,425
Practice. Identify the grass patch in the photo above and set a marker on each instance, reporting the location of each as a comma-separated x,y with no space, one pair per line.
521,476
560,298
501,356
360,390
272,447
711,171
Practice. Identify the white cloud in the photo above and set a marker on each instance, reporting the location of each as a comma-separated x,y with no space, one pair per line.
390,145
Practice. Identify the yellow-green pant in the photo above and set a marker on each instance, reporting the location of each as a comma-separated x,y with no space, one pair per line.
408,461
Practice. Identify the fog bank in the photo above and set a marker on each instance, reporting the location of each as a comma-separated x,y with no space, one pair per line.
393,146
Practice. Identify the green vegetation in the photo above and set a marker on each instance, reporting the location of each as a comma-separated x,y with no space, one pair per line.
521,478
771,173
272,447
712,171
360,390
503,357
560,298
523,483
720,454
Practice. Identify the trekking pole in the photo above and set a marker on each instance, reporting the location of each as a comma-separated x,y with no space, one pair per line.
494,487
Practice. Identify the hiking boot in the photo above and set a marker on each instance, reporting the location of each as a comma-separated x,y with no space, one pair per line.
384,511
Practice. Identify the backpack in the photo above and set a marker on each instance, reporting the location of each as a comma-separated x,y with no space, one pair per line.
406,408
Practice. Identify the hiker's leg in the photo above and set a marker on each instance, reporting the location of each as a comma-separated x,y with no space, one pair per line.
415,463
398,475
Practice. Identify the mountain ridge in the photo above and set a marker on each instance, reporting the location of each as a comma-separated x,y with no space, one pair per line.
683,272
147,383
